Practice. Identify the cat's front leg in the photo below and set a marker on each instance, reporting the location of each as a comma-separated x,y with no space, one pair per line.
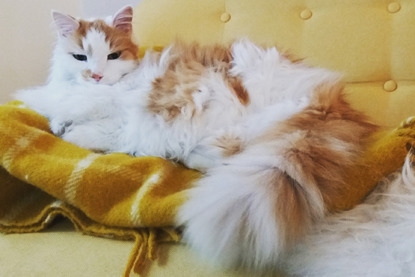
198,159
83,137
59,127
100,135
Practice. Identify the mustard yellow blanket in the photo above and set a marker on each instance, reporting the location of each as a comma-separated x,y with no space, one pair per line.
115,195
42,176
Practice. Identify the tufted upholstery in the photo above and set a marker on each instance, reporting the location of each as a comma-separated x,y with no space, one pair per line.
371,42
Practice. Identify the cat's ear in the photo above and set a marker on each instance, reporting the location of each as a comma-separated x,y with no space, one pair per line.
65,24
123,20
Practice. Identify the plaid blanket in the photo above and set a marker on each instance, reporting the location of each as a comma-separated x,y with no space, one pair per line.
116,195
113,195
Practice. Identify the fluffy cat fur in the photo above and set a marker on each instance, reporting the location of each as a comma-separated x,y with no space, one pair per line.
272,136
373,239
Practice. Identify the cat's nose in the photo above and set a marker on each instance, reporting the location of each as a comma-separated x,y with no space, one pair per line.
97,77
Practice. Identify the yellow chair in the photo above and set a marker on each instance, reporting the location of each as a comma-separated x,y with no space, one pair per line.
372,43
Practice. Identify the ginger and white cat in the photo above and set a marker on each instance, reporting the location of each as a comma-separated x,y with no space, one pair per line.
273,136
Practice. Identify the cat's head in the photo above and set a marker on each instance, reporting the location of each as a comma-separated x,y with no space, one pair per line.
97,51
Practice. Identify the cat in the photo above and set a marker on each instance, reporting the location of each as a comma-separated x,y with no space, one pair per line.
92,52
272,136
99,51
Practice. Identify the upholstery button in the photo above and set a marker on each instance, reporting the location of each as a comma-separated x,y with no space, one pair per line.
225,17
390,86
306,14
394,7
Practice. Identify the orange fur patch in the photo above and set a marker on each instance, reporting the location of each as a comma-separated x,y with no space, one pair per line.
411,152
119,41
316,145
174,91
329,136
292,208
239,90
229,144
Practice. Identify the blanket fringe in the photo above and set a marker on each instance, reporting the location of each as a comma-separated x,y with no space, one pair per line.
145,247
45,209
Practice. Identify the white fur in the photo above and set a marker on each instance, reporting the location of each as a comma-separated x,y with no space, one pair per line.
230,215
375,238
271,78
236,190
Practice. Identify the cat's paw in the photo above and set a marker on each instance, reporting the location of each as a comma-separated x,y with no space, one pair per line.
60,127
91,136
213,151
199,161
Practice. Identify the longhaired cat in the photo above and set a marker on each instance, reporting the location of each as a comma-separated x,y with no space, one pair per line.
272,136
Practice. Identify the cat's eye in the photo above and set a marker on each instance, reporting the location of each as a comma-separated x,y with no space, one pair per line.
80,57
114,56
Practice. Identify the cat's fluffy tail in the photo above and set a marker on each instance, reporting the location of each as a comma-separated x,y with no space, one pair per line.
246,213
